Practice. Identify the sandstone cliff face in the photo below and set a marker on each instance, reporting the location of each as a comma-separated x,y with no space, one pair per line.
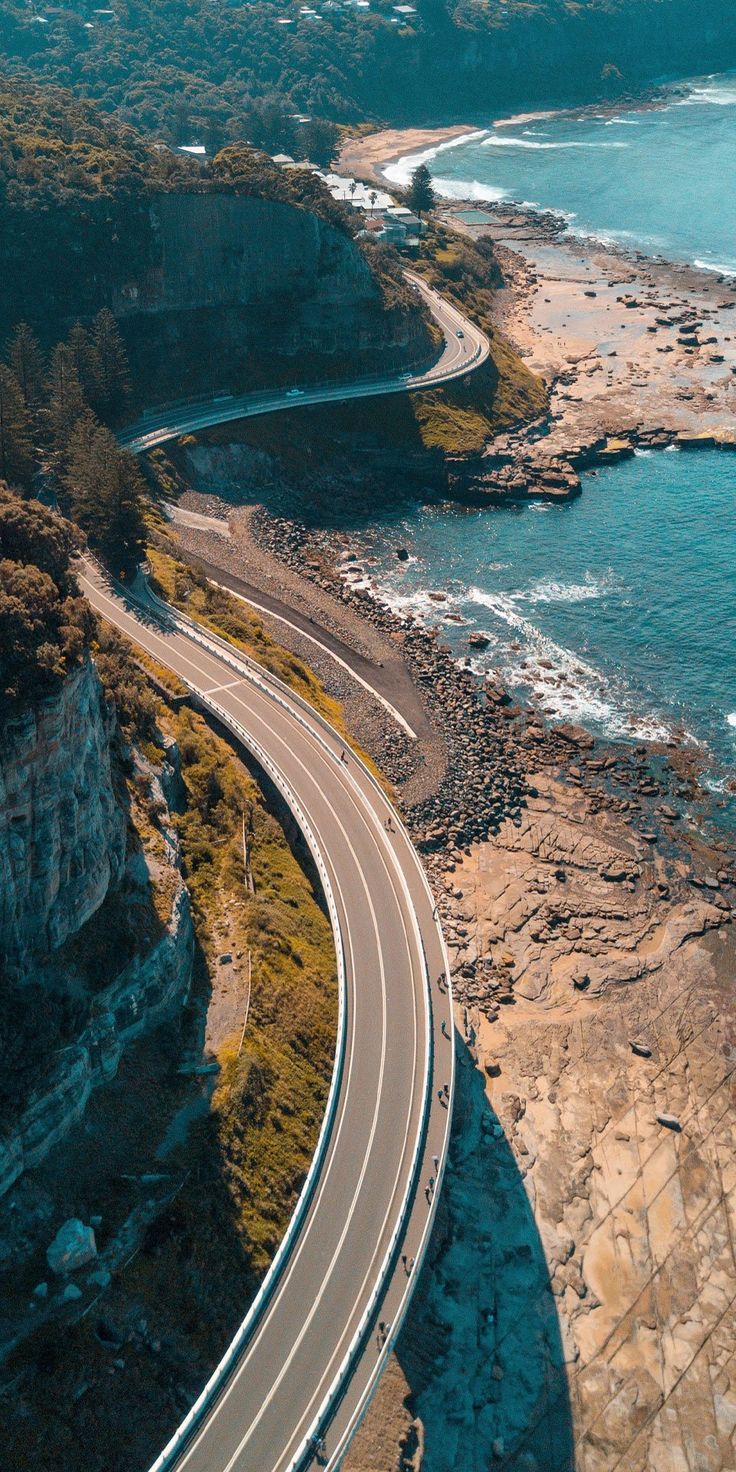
62,832
138,998
221,250
233,283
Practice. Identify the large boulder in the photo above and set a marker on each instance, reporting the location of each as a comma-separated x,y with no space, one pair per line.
73,1247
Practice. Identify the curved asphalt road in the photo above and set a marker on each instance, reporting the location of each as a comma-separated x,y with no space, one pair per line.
460,355
313,1357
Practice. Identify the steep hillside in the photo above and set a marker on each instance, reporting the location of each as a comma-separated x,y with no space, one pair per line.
216,73
220,274
160,1138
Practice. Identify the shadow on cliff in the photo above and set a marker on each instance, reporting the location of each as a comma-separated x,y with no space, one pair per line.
318,465
482,1349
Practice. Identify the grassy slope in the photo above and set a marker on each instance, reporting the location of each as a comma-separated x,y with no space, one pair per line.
189,590
503,392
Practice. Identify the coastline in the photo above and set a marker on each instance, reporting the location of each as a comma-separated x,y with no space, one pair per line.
368,155
579,1277
580,914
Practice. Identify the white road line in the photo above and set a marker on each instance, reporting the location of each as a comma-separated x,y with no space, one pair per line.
251,603
230,686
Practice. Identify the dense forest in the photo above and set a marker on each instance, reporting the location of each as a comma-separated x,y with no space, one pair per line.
274,72
44,623
56,413
75,193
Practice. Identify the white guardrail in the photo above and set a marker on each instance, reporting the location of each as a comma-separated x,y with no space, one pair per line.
184,1431
287,698
223,407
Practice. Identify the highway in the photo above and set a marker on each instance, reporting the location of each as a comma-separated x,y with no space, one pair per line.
309,1354
461,354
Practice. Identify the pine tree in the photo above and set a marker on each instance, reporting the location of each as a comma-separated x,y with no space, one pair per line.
66,400
83,359
111,376
106,493
420,195
16,445
26,361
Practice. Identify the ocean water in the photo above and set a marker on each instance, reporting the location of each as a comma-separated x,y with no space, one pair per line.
616,610
660,180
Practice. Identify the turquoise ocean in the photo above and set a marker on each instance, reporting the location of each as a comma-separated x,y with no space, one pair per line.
617,610
661,180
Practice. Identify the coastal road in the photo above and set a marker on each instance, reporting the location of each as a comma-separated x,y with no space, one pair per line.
308,1358
461,354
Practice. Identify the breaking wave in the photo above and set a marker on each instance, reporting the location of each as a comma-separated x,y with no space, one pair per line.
496,142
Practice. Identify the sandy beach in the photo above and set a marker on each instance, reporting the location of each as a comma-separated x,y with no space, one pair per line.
368,155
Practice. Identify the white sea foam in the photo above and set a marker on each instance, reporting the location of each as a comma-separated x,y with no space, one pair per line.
552,592
401,170
570,687
497,142
715,96
469,189
721,269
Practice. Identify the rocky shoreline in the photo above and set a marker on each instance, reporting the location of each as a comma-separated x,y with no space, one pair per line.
636,352
591,937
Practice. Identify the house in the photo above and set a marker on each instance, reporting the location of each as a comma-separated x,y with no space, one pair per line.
388,231
401,215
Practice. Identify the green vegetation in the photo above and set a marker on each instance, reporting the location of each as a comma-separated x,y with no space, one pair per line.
106,493
465,414
271,1094
188,589
44,625
420,195
46,422
190,72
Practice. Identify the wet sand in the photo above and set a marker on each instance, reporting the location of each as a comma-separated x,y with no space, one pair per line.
369,155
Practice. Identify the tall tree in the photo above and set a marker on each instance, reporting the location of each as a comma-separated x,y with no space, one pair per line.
317,140
420,195
27,362
16,445
83,359
106,494
66,400
111,372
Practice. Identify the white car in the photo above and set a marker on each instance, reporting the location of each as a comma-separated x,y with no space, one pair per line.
294,393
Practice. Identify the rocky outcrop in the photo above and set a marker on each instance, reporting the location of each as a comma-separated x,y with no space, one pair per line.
73,1247
62,830
143,993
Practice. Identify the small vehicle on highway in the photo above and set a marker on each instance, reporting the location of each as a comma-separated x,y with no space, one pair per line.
294,393
459,332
